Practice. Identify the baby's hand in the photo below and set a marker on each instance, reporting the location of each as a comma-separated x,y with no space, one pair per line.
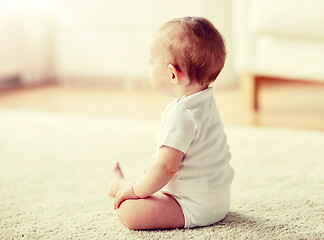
125,193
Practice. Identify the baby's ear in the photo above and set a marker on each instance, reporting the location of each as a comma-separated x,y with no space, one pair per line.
175,75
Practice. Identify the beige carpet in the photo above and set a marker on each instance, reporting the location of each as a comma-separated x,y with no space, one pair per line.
54,172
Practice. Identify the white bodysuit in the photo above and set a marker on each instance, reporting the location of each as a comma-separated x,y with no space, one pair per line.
202,186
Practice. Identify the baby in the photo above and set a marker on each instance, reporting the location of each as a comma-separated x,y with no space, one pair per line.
188,182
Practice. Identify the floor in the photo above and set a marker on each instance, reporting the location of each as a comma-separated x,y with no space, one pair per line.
282,103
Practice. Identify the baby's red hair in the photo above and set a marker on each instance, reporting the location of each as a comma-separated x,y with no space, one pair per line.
195,47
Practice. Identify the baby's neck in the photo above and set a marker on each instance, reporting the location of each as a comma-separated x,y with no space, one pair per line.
192,89
185,88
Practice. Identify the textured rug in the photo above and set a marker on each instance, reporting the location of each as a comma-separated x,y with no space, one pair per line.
54,172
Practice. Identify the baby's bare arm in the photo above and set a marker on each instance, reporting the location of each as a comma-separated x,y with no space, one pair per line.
160,172
149,163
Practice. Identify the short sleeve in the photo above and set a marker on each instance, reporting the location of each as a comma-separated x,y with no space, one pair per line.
177,130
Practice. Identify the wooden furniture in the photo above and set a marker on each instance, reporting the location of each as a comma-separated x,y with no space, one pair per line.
277,38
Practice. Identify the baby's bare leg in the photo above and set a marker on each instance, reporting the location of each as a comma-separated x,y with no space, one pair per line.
159,211
117,180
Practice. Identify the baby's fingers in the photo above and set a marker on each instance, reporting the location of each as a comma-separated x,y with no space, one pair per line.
118,200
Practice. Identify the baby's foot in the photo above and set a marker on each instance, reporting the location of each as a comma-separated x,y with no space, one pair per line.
116,181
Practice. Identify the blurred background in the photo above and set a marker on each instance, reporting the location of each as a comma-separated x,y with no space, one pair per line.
91,57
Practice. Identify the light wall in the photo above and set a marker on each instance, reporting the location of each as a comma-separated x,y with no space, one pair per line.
26,35
94,41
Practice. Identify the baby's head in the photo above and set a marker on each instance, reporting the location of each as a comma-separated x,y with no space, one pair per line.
194,47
